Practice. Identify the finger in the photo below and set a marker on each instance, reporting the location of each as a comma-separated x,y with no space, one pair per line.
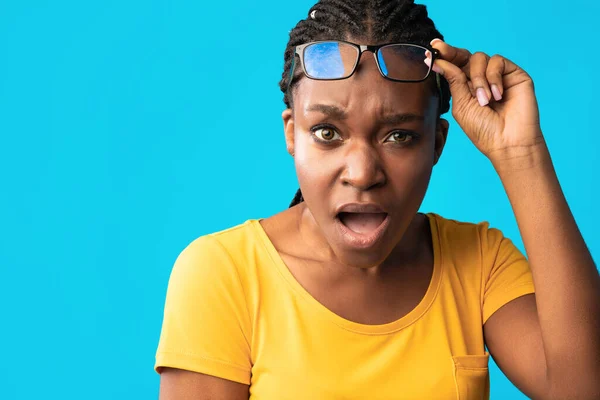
494,72
477,74
457,56
427,61
471,88
510,74
459,84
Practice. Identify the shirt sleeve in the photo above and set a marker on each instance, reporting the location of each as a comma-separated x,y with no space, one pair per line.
206,325
506,274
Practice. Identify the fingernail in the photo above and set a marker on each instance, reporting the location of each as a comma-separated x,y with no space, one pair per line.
434,41
437,69
482,97
427,62
496,92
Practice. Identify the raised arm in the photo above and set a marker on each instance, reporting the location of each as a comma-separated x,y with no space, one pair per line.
547,344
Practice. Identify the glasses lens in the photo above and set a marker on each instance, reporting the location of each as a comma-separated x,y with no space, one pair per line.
330,60
403,62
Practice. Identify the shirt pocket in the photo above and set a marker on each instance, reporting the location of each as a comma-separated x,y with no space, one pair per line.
471,375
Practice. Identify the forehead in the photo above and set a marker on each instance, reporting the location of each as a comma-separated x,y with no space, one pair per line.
366,92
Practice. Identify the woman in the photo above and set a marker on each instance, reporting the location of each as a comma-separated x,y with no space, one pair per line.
351,293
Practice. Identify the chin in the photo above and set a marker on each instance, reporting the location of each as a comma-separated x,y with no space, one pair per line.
362,258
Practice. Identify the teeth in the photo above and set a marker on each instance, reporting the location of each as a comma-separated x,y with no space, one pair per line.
363,223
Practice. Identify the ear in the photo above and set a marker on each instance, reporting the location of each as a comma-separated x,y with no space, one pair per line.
441,134
288,128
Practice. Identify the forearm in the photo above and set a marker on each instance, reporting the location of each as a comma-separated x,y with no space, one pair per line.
566,280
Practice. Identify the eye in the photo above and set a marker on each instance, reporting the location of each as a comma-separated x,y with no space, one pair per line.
325,134
402,137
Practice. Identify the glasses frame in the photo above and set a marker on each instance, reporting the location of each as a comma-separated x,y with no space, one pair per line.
300,49
361,48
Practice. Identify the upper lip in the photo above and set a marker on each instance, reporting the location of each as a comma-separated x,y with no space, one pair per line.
360,208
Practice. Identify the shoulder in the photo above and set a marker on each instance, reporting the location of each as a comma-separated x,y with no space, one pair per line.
218,254
206,324
228,240
463,231
469,240
476,243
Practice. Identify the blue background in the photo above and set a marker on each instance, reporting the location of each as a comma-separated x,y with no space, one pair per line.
129,128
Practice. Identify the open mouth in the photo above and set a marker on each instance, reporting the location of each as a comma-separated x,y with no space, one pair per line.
362,223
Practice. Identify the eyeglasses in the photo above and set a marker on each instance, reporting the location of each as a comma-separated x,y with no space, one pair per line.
335,60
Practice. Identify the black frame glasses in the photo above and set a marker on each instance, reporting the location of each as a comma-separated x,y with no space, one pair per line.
361,48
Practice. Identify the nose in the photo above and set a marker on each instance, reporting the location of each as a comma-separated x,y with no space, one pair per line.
363,168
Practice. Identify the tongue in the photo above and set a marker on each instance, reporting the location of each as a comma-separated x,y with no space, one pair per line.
362,222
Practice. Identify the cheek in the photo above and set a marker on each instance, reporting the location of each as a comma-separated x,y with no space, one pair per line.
310,169
418,179
410,175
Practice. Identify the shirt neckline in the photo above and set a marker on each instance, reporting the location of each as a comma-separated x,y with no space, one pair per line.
414,315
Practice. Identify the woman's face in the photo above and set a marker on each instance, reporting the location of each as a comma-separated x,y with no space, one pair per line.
364,139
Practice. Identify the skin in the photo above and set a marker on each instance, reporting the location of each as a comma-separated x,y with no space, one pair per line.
363,163
548,343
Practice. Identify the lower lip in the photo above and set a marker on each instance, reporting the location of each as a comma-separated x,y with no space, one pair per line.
360,240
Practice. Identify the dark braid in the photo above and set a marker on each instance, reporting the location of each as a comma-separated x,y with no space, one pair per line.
374,21
297,198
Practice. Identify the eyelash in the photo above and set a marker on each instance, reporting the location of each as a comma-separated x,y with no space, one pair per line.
414,136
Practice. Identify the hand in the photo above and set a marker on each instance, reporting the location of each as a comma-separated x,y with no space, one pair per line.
493,101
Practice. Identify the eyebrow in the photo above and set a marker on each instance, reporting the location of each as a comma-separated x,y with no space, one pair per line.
339,114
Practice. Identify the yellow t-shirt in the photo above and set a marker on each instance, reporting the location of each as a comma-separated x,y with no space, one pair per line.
234,310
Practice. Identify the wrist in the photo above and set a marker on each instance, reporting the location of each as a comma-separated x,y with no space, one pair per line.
519,159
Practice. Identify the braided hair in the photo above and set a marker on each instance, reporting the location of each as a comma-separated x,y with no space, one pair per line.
371,20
